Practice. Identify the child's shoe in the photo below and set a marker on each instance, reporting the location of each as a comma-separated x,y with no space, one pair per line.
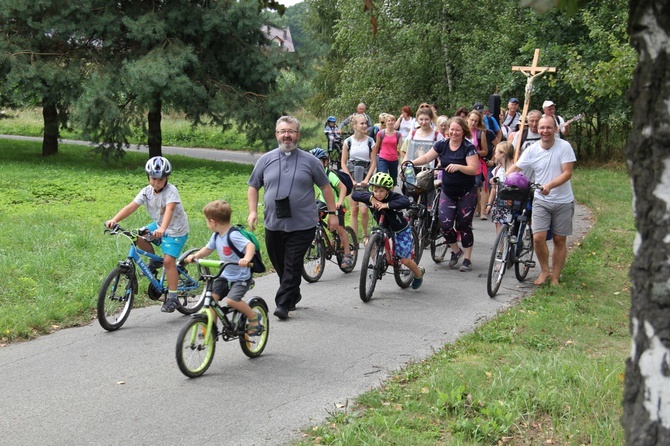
416,283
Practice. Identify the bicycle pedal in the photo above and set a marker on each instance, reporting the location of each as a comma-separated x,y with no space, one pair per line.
529,264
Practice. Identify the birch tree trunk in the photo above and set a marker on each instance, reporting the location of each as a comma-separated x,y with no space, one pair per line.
646,399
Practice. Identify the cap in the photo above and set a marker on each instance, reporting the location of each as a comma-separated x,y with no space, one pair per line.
546,104
478,106
514,100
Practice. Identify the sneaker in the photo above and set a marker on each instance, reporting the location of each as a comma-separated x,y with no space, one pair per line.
416,283
466,266
170,305
455,256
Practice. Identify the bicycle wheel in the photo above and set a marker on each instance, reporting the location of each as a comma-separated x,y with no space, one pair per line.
525,250
314,261
371,266
191,285
419,228
195,347
498,261
353,248
403,275
115,298
253,345
438,248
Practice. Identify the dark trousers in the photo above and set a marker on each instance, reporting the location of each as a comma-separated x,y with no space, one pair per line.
287,251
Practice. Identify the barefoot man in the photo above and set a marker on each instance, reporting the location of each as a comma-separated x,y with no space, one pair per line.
551,161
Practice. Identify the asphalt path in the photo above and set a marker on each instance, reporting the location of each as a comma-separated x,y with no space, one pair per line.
87,386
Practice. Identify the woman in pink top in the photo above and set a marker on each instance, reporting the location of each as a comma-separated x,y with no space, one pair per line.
478,138
387,147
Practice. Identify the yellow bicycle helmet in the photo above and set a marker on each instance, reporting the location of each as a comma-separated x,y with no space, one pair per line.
381,179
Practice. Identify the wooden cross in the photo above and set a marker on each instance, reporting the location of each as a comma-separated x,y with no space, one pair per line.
531,73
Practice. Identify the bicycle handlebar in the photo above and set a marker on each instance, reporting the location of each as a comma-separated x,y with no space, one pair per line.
132,233
211,263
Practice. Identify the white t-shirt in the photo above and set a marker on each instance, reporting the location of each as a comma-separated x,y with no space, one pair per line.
406,126
546,165
360,150
156,204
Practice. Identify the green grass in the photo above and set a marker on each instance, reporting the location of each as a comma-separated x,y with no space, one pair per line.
547,371
53,253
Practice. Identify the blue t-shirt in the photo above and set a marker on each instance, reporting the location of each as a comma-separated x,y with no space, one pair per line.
219,243
456,183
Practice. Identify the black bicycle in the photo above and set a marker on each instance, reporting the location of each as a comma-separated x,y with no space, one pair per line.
425,217
514,242
324,248
196,343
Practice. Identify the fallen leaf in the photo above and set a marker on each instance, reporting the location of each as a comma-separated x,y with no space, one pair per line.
121,382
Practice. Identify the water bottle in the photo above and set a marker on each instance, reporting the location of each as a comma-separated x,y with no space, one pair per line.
409,174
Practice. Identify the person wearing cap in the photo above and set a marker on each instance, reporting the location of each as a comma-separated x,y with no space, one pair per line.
551,161
549,109
511,119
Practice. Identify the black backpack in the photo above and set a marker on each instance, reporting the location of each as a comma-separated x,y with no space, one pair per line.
346,180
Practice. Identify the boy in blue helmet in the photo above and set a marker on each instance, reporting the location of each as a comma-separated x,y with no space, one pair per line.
383,200
170,223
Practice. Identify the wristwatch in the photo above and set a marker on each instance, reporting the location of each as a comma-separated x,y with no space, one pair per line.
335,212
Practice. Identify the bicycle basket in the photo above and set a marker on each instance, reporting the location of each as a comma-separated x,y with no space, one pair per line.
515,198
425,180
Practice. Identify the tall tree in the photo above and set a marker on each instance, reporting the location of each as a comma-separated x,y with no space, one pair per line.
208,59
41,58
646,401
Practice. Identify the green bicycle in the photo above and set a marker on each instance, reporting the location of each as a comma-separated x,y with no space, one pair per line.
196,343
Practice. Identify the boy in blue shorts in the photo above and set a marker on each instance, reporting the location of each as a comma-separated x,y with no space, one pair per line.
236,279
170,223
384,201
340,191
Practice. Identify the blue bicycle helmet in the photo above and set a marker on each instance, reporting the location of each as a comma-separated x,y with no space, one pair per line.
158,167
331,119
319,153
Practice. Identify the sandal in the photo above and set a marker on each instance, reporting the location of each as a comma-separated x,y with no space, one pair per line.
256,329
366,239
347,261
170,305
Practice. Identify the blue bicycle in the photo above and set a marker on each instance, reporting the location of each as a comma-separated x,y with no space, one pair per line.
115,299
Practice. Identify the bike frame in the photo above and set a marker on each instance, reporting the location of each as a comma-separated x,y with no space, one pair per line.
230,332
135,255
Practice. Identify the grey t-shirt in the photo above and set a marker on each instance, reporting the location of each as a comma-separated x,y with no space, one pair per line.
291,174
156,204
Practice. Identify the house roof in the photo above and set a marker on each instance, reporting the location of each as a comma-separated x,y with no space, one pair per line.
281,36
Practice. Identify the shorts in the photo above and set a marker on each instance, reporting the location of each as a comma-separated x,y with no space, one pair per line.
404,243
234,291
557,216
171,246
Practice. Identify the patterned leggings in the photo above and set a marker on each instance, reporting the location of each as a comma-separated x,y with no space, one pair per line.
456,217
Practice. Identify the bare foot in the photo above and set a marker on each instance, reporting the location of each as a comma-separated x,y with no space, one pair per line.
542,278
554,282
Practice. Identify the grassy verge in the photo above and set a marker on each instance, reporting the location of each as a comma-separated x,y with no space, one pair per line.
547,371
53,253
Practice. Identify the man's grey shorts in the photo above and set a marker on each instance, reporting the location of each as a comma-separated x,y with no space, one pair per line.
557,216
234,291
